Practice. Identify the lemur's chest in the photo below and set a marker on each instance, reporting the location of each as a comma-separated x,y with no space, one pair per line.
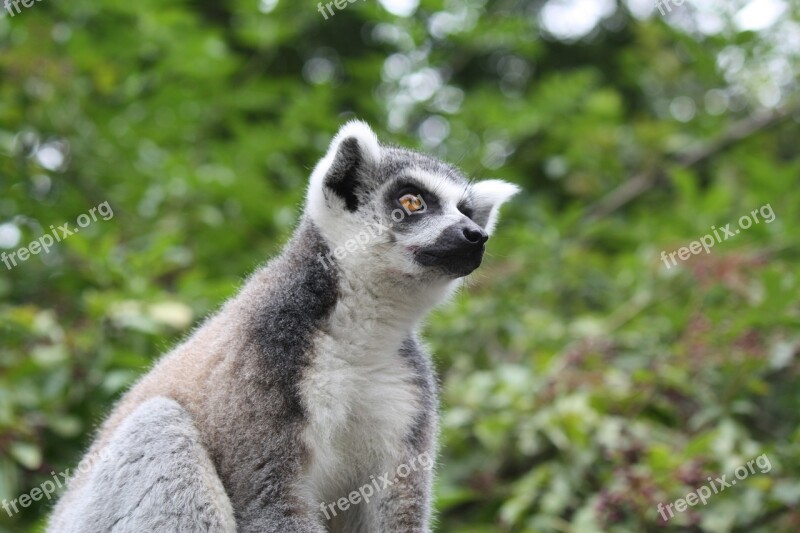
361,401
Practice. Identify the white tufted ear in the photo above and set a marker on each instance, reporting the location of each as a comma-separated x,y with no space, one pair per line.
488,196
367,140
352,154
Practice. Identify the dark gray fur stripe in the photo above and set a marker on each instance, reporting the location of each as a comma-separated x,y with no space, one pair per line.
285,305
421,435
283,328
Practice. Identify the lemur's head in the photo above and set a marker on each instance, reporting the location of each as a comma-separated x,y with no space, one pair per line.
394,212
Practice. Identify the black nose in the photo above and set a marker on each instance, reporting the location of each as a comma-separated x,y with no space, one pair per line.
457,251
475,235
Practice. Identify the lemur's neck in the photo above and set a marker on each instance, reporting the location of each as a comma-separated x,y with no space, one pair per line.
374,308
369,311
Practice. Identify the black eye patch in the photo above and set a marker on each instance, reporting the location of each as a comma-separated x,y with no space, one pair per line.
403,217
466,209
409,189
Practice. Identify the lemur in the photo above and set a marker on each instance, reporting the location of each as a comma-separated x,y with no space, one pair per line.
312,380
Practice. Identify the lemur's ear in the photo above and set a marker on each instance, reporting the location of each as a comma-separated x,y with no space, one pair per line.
352,154
488,196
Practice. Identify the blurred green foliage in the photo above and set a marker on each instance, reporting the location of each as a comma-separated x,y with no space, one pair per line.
583,380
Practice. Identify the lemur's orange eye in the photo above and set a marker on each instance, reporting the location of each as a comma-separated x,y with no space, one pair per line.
412,203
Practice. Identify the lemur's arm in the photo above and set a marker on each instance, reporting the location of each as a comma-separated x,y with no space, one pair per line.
397,501
405,505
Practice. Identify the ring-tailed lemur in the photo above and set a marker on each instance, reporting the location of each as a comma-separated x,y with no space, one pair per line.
312,380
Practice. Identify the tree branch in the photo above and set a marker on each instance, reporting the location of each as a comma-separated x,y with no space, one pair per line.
644,181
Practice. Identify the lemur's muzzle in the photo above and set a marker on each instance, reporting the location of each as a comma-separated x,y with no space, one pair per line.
458,250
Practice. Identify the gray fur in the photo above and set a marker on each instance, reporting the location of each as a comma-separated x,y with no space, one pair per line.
156,460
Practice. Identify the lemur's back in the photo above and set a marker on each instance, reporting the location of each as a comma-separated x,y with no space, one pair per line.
282,412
